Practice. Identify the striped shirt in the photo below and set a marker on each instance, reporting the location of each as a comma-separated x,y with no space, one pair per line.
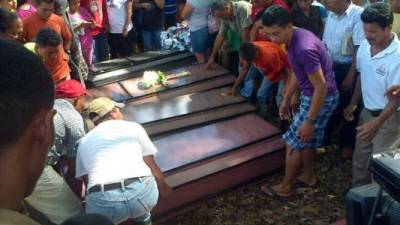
69,129
170,7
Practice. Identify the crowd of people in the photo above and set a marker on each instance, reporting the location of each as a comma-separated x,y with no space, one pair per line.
331,67
91,30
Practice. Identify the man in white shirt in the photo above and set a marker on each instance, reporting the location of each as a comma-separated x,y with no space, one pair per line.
342,36
117,158
379,66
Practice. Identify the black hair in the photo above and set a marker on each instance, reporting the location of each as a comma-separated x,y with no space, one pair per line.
38,2
219,5
379,13
248,51
47,37
276,15
259,15
21,2
26,87
7,18
60,7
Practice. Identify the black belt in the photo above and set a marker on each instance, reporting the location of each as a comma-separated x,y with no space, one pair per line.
375,113
113,186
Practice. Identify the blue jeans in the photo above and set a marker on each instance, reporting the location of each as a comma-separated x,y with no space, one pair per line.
199,40
133,201
100,46
265,89
151,39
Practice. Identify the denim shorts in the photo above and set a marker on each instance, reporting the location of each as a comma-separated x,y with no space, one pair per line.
135,201
199,40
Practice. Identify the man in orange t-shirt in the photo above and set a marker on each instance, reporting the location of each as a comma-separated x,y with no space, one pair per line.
263,61
45,18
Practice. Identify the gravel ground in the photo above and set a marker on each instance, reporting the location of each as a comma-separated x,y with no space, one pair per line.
247,205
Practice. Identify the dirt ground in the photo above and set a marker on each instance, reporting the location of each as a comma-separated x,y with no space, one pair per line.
247,205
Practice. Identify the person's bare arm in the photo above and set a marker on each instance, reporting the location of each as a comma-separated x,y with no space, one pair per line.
187,10
243,72
393,94
128,16
136,4
289,90
320,91
160,3
351,75
246,34
368,130
290,86
317,79
355,99
254,30
217,45
163,187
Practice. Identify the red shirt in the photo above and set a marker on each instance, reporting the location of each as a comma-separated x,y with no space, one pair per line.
256,9
283,4
58,67
271,59
98,9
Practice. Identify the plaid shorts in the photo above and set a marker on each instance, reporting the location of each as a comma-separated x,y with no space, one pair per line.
291,136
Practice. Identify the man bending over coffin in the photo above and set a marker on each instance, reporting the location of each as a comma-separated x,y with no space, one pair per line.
313,74
117,158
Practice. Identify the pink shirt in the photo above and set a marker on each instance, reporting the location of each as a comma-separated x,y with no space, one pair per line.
23,13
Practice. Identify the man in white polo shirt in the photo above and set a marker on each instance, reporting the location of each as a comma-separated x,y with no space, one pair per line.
379,66
117,158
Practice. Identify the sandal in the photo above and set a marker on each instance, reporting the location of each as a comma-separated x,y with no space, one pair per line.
269,190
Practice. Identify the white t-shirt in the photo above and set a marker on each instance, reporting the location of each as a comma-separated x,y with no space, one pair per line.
113,151
378,73
116,16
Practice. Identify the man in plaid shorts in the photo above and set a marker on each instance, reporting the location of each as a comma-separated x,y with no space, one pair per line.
313,76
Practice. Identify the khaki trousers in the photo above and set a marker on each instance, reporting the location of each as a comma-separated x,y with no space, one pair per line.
384,139
54,198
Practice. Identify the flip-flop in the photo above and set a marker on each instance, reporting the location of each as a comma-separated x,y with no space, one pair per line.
301,183
267,189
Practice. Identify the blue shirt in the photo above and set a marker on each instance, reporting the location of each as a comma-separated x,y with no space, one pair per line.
170,7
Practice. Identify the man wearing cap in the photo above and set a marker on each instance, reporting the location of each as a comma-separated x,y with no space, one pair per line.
52,196
116,159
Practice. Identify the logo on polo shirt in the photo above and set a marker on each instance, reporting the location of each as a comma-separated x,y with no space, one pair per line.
381,70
